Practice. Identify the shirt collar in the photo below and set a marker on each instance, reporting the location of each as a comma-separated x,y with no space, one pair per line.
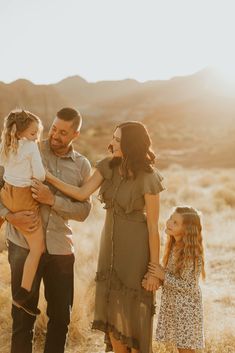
70,154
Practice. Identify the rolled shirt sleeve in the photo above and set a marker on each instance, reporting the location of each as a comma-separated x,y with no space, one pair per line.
3,210
73,209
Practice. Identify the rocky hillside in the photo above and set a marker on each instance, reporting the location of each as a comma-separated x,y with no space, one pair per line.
191,119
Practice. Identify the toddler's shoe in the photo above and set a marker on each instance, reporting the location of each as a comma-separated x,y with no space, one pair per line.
21,300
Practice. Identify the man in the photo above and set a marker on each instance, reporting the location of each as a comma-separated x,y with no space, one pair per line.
56,265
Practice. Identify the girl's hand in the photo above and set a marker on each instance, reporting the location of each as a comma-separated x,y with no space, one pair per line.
150,283
156,271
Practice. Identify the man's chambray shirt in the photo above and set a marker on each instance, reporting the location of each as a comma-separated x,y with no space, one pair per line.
72,168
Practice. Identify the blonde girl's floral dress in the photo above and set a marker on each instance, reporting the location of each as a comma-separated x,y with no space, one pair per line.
180,319
122,305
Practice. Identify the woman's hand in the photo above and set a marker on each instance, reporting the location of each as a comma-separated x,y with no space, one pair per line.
150,283
49,176
156,270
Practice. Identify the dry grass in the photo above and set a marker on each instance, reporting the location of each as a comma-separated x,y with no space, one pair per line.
210,191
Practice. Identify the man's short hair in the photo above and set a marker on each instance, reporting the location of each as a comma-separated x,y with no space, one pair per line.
70,114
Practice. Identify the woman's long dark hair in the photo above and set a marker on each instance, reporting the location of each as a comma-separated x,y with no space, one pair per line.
136,148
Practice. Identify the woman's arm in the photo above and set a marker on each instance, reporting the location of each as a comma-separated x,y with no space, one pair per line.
152,214
78,193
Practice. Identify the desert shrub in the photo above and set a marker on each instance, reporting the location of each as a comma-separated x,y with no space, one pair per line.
183,186
224,197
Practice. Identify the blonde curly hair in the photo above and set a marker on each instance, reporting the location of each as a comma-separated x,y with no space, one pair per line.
190,247
15,123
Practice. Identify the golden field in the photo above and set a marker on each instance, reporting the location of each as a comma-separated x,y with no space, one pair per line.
213,192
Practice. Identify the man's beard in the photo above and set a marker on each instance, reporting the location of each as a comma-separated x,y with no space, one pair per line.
58,146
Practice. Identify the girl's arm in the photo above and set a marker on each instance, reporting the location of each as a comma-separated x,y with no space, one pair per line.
152,214
187,280
38,170
78,193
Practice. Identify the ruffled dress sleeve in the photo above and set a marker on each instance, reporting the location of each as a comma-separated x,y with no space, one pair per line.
153,183
147,183
103,167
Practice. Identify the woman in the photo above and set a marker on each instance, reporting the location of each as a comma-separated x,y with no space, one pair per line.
129,241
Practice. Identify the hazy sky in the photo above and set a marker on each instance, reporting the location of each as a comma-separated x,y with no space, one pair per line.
48,40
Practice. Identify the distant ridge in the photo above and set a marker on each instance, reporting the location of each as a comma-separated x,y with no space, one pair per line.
195,110
113,99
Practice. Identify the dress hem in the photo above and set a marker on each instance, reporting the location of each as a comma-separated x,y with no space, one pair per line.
180,346
106,328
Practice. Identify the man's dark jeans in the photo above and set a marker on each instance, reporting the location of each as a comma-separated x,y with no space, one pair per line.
57,274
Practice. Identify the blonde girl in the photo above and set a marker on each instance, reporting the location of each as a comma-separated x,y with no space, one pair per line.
20,157
181,316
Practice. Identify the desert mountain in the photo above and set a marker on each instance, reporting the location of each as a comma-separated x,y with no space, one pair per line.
191,118
43,100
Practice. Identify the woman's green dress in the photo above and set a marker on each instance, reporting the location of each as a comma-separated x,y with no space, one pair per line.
122,305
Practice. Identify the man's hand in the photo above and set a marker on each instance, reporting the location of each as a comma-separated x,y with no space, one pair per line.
24,220
42,193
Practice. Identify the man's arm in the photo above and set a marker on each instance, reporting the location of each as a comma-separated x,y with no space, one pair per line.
63,205
3,210
74,210
66,207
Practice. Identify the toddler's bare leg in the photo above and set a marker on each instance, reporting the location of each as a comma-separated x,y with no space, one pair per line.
36,244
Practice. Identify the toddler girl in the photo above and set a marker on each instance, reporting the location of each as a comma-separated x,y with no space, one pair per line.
20,157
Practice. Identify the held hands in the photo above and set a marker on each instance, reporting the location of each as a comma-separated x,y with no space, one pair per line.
154,277
156,270
42,193
150,282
